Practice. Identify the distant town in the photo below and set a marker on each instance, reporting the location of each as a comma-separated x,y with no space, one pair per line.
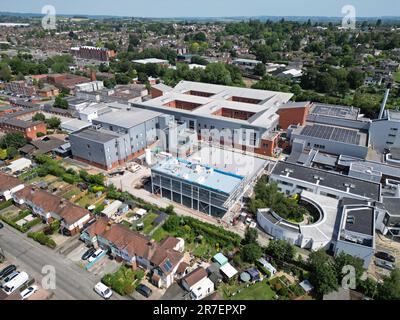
215,159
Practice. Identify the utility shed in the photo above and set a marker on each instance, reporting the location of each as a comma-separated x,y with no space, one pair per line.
220,258
228,270
112,208
19,165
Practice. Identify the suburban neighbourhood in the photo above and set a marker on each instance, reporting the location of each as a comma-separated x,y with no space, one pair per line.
199,159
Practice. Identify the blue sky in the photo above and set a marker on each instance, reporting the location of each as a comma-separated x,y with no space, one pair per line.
207,8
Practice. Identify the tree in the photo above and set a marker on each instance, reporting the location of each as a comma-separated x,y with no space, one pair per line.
281,250
170,209
53,122
12,152
368,287
322,273
251,252
355,78
142,77
389,289
3,154
39,117
217,73
61,103
250,236
5,72
13,139
343,259
260,69
172,223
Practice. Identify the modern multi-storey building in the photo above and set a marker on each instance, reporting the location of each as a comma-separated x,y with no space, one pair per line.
239,117
331,139
385,132
199,187
115,137
294,178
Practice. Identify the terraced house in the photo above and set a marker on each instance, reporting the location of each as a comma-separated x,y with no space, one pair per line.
137,250
50,207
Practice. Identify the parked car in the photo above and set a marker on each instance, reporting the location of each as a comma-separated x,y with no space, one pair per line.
7,270
144,290
16,282
385,256
1,225
95,255
25,294
88,253
102,290
8,278
385,264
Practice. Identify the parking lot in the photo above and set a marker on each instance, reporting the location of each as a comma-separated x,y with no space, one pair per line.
41,294
384,244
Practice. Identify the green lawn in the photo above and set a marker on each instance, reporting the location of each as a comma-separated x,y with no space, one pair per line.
160,234
69,194
396,76
87,200
258,291
148,222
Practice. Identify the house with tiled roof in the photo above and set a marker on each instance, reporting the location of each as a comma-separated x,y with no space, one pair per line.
50,207
9,185
137,250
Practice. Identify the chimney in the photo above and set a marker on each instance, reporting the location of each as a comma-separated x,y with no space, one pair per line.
93,76
385,98
108,226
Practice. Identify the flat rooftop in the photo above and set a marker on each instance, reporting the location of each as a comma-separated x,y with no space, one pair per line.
96,135
392,205
241,105
328,179
129,118
202,175
360,221
229,161
337,111
394,115
333,133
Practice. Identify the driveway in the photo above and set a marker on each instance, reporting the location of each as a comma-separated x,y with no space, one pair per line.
174,292
72,282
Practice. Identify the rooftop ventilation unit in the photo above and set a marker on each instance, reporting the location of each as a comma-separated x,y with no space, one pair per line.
350,219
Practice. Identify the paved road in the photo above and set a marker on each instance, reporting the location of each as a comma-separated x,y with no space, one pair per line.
72,282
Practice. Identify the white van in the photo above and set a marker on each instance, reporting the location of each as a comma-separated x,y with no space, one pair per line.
15,283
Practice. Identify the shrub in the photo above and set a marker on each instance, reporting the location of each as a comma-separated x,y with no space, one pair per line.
40,134
42,239
6,204
55,225
70,178
124,280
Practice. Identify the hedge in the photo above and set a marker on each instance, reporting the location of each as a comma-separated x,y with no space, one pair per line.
23,228
124,280
42,239
6,204
206,229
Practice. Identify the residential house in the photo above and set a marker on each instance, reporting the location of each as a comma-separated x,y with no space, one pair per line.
198,284
50,207
137,250
9,185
